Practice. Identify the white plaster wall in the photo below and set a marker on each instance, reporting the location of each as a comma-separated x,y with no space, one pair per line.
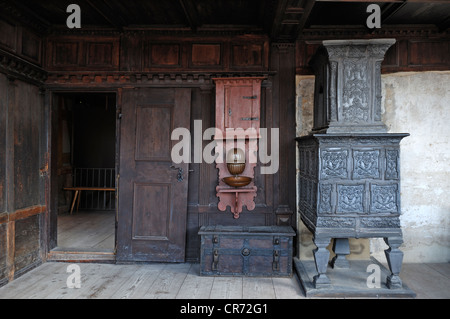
417,103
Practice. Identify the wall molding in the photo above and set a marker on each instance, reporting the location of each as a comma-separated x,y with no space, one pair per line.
139,79
17,68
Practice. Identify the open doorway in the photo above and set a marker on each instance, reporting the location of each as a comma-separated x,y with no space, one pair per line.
84,139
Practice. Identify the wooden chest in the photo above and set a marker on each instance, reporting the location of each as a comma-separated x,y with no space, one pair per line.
246,251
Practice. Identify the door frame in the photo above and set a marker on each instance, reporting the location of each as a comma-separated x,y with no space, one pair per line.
51,188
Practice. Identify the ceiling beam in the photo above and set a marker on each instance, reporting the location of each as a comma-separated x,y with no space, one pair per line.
290,19
304,18
279,14
191,14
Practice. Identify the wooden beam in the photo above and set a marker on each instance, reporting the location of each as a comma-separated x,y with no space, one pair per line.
290,19
26,212
304,18
191,14
279,14
10,249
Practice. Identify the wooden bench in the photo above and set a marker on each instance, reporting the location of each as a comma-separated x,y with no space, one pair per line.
78,193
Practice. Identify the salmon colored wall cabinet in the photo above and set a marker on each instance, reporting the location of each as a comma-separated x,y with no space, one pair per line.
238,103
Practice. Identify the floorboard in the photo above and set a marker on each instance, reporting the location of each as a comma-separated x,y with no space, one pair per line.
94,230
426,281
138,283
257,288
195,286
182,281
169,281
226,288
286,288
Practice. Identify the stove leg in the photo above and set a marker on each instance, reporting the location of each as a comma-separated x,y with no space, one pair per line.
394,258
321,257
341,248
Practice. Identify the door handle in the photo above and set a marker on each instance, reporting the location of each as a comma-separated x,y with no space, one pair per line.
180,177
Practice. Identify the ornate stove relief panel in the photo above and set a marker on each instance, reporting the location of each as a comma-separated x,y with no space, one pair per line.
383,198
308,162
334,164
366,164
356,92
392,169
325,198
350,198
380,222
336,222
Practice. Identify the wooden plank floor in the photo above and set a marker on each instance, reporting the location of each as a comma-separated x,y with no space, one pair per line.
144,281
181,281
87,230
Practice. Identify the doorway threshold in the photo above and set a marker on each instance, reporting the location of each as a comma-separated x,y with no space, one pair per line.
81,255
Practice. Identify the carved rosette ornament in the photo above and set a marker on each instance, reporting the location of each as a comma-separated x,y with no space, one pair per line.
349,175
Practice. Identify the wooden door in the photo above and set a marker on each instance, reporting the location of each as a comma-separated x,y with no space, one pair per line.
152,193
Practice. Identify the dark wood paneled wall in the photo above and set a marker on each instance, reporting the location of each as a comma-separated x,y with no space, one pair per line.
21,192
143,53
142,60
22,151
416,48
21,41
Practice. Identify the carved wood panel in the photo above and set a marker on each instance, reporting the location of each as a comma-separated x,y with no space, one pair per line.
21,42
247,55
8,36
66,54
206,55
80,53
428,53
31,46
140,52
163,55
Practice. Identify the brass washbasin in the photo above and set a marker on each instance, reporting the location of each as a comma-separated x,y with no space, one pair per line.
237,181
